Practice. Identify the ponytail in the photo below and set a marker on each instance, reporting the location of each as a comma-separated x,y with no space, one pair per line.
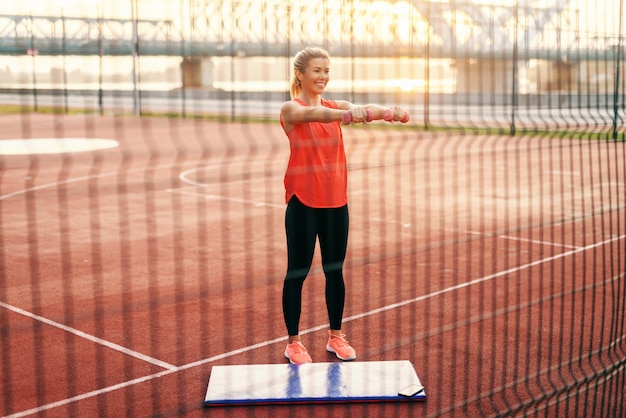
295,87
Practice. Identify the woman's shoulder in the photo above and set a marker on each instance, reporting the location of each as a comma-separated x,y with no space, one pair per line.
289,105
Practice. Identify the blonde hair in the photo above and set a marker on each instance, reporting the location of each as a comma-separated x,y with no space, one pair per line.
300,62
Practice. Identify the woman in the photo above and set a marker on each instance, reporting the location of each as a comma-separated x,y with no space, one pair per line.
316,194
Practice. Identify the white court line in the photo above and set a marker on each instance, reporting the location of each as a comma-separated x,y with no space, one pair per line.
89,337
100,175
511,238
403,224
83,178
209,196
58,183
184,175
534,241
98,392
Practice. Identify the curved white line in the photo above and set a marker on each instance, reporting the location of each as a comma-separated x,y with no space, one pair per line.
83,178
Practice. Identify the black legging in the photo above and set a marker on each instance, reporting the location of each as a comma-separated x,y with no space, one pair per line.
303,224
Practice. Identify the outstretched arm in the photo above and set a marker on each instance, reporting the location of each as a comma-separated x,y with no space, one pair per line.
292,114
377,112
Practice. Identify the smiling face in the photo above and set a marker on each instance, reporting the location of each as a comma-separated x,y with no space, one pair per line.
315,77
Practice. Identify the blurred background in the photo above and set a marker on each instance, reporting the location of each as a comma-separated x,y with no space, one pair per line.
504,57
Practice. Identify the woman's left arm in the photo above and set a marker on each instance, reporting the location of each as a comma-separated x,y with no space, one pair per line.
393,113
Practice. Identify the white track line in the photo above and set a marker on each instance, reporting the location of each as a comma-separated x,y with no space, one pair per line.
89,337
95,176
403,224
307,331
58,183
209,196
82,178
511,238
534,241
482,279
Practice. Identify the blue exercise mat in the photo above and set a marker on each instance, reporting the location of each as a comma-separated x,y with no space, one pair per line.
373,381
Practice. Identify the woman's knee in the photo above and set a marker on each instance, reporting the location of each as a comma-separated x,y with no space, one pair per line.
332,267
297,274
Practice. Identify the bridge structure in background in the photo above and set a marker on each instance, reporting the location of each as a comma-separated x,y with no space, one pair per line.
474,36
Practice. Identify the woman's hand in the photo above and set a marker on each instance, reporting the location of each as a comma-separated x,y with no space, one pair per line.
397,114
360,114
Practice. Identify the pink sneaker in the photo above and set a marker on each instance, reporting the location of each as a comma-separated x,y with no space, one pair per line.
297,354
339,346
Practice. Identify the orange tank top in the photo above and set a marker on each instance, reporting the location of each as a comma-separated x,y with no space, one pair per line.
317,171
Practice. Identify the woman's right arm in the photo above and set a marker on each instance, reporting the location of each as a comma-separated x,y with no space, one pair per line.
294,113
